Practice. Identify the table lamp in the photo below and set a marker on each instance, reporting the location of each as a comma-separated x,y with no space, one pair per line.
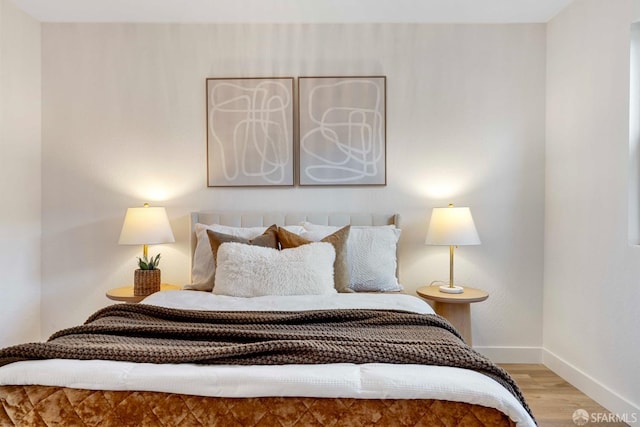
451,226
146,226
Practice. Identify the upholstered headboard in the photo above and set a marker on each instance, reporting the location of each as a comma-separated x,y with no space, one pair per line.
265,219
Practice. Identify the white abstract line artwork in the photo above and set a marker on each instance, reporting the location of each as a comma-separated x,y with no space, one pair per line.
342,131
250,132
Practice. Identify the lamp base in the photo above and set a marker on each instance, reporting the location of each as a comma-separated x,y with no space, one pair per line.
451,289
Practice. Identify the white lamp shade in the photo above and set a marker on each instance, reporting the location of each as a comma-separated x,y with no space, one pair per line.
452,226
146,226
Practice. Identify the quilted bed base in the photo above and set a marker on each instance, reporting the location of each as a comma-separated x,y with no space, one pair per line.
60,406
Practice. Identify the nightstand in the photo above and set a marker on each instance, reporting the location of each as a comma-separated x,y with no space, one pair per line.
456,308
125,293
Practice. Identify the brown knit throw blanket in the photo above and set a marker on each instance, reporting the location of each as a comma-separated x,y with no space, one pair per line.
150,334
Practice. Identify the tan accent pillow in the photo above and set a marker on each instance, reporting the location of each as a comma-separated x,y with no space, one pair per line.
268,239
338,240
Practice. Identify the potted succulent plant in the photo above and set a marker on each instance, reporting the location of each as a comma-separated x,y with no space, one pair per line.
146,279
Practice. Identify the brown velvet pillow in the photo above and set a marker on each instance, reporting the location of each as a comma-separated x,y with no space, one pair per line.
338,239
268,239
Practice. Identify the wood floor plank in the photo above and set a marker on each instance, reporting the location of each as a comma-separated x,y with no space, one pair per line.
552,399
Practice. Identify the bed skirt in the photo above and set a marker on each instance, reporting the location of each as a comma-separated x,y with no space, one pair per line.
49,406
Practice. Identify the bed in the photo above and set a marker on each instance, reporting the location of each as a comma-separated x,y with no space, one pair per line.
299,359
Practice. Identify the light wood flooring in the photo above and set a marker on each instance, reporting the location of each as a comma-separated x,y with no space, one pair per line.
552,399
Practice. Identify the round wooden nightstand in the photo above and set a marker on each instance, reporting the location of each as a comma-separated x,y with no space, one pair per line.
456,308
125,293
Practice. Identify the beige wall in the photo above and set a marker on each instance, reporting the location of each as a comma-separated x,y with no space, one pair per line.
592,291
19,176
124,123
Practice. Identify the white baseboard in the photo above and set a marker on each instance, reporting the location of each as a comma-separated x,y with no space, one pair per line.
592,388
512,354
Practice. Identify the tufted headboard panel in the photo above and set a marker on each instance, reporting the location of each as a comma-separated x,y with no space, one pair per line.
265,219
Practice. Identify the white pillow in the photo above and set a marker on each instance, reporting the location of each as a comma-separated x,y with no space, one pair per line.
308,226
252,271
203,267
371,253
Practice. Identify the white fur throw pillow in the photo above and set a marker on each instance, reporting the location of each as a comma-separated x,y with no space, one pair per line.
251,271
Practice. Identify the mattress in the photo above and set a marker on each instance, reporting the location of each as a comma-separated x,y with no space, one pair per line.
371,381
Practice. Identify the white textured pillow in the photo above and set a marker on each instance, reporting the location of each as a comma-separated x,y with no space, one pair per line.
203,267
371,255
328,229
252,271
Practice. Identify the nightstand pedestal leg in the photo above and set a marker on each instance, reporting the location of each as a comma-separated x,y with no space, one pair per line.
459,315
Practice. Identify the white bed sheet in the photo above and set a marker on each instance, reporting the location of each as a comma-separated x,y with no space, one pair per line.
194,300
372,380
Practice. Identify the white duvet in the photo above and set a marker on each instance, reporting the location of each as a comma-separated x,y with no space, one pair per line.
371,380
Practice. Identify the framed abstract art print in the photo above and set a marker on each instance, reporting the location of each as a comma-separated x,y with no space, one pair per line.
342,127
250,132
